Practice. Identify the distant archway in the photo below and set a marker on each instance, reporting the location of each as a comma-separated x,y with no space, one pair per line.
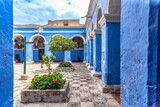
77,54
18,38
98,17
79,41
37,35
38,47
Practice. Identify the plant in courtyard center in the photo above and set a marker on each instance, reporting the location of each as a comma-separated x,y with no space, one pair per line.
47,60
65,64
62,44
51,81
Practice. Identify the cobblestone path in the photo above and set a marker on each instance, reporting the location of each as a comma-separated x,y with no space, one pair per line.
83,91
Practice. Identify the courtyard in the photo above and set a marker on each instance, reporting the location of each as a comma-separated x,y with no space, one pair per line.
83,90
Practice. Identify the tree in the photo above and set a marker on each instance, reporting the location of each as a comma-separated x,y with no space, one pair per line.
62,44
47,60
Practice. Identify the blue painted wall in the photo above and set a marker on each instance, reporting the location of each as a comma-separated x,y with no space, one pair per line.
20,53
30,54
58,55
67,56
88,55
140,53
35,55
85,52
111,53
75,54
6,53
91,52
97,53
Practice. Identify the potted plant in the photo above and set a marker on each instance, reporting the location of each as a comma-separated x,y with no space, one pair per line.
47,60
62,44
46,88
17,58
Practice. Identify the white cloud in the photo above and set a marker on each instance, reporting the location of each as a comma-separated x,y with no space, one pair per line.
57,7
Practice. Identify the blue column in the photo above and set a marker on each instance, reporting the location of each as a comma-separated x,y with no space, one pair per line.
140,53
97,53
35,55
88,53
29,52
85,53
67,56
47,52
111,53
6,53
91,52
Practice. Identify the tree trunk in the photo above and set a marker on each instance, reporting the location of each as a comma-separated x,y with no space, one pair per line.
63,55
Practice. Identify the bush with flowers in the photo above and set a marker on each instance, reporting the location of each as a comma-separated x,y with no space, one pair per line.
51,81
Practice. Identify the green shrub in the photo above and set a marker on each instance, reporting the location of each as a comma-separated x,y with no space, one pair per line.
65,64
51,81
47,60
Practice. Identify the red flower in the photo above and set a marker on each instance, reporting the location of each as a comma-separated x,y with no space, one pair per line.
33,79
60,61
49,72
44,75
54,81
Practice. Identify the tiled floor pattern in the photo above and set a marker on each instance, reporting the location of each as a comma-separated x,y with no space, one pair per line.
83,91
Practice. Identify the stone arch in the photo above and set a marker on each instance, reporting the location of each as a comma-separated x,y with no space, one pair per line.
88,35
113,7
15,36
57,35
98,17
37,35
79,36
18,38
92,26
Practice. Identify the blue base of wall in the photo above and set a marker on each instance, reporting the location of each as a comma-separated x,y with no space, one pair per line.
35,55
20,53
77,55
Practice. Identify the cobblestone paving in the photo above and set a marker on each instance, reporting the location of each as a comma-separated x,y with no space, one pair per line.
83,91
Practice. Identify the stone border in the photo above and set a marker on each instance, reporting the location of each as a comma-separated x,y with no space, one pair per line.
113,89
90,67
49,95
65,69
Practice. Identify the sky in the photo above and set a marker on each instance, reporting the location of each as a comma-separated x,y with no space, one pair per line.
40,11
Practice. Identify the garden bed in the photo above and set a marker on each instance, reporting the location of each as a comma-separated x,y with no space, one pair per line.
49,95
65,69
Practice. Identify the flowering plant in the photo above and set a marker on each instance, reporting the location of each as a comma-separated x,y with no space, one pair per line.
51,81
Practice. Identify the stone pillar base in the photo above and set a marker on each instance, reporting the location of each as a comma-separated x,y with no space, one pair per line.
24,77
30,62
84,62
90,67
113,89
95,74
87,64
